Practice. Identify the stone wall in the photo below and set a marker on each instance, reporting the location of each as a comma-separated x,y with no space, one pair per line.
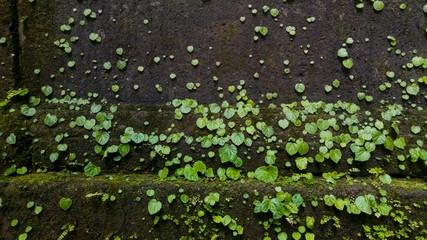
150,43
200,91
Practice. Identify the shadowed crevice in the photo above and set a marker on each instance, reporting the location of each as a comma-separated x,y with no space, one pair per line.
14,29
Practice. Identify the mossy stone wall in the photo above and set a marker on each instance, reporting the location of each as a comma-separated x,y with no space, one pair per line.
152,40
324,100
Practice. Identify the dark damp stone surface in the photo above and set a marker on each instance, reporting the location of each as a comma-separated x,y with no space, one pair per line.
216,33
6,49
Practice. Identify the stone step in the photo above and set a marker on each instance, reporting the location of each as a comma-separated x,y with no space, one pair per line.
41,143
117,206
34,150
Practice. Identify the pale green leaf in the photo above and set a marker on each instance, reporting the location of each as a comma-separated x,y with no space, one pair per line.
154,206
267,174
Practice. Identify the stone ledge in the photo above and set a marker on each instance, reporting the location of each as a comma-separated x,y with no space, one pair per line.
127,215
34,137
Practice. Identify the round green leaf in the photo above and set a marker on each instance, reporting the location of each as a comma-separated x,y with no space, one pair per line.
21,170
119,51
190,49
115,88
335,155
362,155
233,173
154,206
121,64
11,139
267,174
412,89
274,12
385,178
283,123
65,203
87,12
348,63
50,120
163,173
38,210
384,209
92,170
336,83
329,200
47,90
342,52
299,87
363,205
150,192
415,129
124,149
107,66
23,236
62,147
263,31
53,156
27,111
14,222
301,163
194,62
237,138
102,137
227,152
138,137
291,148
378,5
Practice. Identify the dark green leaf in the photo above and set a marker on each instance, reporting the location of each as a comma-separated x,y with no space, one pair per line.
124,149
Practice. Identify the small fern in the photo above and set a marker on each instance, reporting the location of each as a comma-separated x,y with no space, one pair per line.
12,93
67,228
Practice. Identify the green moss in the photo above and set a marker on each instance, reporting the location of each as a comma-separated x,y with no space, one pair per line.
136,179
412,184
